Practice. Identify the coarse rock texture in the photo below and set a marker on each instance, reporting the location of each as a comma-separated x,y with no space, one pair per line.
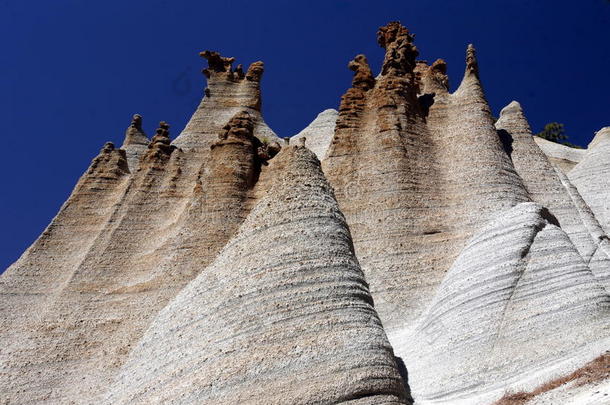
416,171
591,176
229,92
135,143
319,132
309,317
564,157
219,268
124,244
516,287
540,179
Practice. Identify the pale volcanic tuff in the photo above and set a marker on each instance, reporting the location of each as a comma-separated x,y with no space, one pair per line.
432,252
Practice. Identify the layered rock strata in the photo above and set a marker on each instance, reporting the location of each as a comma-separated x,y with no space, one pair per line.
309,321
137,228
517,287
135,143
416,170
562,156
592,176
219,268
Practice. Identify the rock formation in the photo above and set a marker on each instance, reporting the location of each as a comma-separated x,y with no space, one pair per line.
319,133
309,320
136,142
432,252
592,176
562,156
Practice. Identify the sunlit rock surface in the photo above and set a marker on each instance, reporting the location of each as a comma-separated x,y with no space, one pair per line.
433,253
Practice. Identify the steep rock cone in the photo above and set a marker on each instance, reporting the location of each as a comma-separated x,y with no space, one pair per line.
44,270
530,308
540,178
592,177
319,133
283,323
382,168
229,91
135,143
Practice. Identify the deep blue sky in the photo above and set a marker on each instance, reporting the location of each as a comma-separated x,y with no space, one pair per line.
73,72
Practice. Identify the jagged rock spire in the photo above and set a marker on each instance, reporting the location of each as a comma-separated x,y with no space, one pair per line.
363,77
472,66
400,52
222,66
216,63
541,180
433,78
255,71
240,129
228,92
160,147
135,142
161,134
134,135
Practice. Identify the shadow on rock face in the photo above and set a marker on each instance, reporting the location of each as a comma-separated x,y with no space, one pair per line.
425,102
404,374
507,141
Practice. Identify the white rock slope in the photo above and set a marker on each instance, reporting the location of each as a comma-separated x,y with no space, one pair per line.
319,132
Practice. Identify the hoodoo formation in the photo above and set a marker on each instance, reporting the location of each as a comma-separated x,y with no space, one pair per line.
407,248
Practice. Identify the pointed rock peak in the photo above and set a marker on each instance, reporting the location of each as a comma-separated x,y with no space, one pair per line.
440,66
288,278
134,135
110,163
400,52
433,78
328,111
136,122
161,134
107,148
512,108
601,135
255,71
239,71
513,119
472,67
363,76
161,140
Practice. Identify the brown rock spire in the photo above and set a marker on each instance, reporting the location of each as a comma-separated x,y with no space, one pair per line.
216,63
134,135
433,79
228,92
239,127
221,67
135,142
400,51
160,146
363,77
161,135
472,67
